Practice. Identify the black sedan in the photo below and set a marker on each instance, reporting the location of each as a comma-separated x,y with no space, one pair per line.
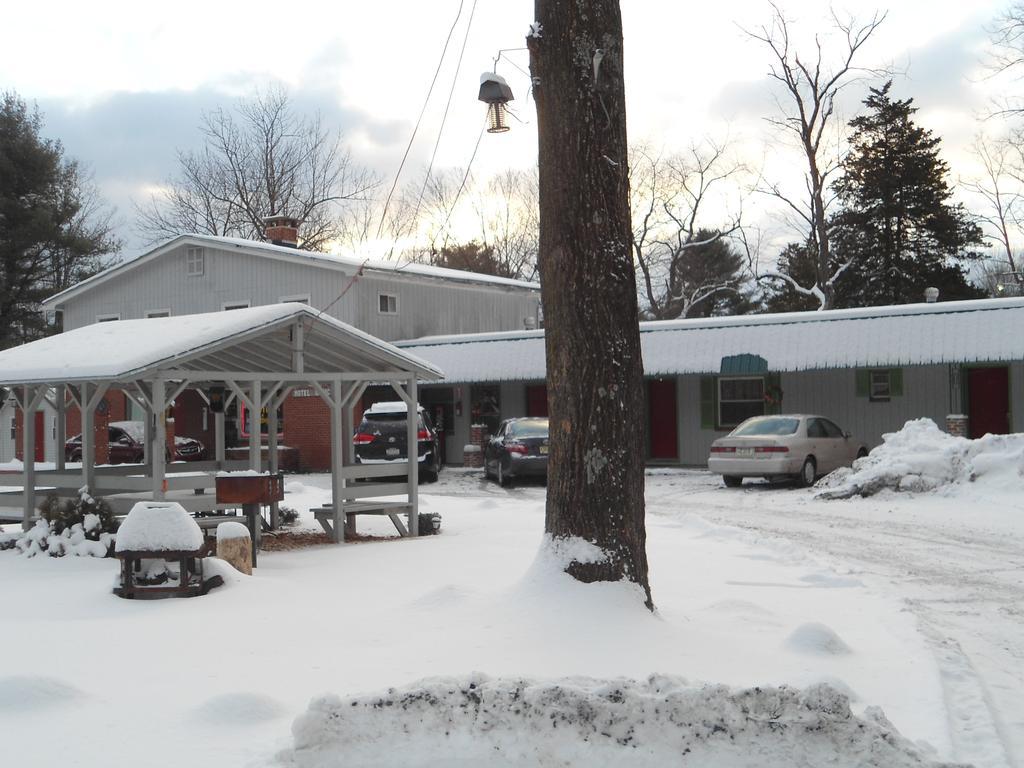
518,449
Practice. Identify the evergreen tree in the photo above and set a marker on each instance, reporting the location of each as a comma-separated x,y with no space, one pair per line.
471,257
705,277
897,226
798,261
53,230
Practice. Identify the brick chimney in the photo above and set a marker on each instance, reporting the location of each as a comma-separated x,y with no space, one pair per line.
282,230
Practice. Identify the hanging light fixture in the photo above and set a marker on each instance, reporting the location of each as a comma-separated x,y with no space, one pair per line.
494,92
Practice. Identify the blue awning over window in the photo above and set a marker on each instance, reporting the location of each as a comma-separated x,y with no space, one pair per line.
743,365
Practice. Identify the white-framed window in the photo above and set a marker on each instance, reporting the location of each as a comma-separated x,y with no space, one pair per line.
108,317
739,398
299,298
195,261
387,304
880,386
158,313
229,305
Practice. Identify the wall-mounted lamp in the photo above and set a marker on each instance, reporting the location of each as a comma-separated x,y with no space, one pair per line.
494,91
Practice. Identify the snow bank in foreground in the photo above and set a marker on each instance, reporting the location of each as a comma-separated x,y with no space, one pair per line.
476,720
921,457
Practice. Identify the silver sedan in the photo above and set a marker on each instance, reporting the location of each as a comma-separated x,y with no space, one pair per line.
799,446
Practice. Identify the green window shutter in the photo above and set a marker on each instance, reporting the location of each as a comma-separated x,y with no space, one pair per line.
863,382
708,392
773,384
896,382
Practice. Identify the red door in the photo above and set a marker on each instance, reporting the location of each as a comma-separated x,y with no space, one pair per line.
536,400
40,437
661,418
988,392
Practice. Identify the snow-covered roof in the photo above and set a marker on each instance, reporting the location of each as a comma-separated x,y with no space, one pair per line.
391,406
986,330
288,253
252,340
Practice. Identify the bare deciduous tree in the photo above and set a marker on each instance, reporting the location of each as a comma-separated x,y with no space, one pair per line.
671,235
811,86
259,160
1007,54
509,213
999,189
505,208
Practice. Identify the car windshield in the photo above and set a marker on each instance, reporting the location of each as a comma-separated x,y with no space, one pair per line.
533,428
766,425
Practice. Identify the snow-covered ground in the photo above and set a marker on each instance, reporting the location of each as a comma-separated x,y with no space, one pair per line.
908,603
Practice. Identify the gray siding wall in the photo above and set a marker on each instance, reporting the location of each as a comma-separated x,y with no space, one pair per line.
425,306
829,393
833,394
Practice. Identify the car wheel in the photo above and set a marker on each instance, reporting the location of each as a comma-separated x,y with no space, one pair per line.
502,479
862,453
808,473
429,475
732,481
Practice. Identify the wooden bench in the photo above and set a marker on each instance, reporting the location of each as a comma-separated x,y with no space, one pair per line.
393,509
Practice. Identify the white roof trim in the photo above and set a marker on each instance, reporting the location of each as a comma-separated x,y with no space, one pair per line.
295,255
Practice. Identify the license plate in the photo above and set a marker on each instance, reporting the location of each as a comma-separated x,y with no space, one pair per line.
393,451
543,449
745,452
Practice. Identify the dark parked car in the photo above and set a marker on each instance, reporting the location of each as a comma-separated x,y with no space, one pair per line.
518,449
381,439
125,440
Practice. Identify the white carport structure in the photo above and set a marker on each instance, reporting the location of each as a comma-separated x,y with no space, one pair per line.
258,355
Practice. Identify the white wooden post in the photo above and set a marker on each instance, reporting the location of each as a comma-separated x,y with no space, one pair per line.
85,393
148,435
159,444
218,439
62,426
412,430
272,463
28,455
337,458
256,396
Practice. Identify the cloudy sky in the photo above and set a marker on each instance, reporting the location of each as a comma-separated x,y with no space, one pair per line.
123,84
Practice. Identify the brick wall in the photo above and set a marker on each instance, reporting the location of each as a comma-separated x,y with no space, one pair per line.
116,410
307,427
189,409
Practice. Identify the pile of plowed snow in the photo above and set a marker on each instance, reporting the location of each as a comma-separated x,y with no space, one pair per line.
659,722
921,458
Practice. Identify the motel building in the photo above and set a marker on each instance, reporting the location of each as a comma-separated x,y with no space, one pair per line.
870,370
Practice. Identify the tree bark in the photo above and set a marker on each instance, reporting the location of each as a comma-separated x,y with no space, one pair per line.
592,336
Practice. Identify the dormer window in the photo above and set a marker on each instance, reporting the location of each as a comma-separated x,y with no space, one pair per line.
195,262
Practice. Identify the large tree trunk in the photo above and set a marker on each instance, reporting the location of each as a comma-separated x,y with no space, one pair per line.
594,369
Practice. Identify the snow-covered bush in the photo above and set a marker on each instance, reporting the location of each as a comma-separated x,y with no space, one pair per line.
93,515
922,458
84,526
429,522
287,515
